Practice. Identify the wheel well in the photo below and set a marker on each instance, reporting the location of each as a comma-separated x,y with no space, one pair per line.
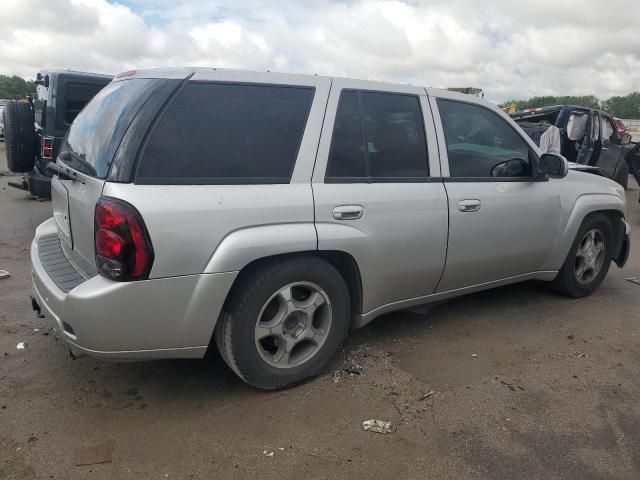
341,261
614,217
612,214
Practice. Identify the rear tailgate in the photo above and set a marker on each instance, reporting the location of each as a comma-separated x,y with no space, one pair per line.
88,151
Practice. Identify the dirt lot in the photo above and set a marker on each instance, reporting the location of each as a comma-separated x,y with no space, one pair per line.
528,385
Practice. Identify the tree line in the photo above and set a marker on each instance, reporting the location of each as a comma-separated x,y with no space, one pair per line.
627,106
15,88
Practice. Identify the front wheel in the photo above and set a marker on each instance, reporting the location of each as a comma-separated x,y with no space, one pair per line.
284,322
589,258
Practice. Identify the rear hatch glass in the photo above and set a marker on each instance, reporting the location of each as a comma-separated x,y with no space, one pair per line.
98,129
89,148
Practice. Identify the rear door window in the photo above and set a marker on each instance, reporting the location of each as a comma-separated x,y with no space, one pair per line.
378,137
96,132
218,133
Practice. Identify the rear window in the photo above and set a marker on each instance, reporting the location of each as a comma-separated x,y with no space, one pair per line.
377,137
98,129
76,96
40,105
215,133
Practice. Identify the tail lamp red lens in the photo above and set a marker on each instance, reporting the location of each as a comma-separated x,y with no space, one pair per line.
123,248
47,148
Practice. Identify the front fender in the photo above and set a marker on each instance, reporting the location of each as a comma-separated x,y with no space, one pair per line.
583,206
241,247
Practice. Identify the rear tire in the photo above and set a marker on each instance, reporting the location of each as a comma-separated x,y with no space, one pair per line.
20,136
284,322
589,258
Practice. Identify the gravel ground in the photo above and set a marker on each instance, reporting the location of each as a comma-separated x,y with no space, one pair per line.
528,384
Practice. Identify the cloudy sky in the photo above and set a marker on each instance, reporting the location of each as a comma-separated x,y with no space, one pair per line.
510,48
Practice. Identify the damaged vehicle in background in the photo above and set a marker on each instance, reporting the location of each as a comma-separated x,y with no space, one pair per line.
583,135
35,128
633,160
1,119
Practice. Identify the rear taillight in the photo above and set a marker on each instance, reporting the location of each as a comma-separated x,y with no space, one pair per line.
47,148
123,247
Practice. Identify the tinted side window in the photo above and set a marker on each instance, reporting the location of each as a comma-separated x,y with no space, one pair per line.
347,157
378,137
226,134
478,139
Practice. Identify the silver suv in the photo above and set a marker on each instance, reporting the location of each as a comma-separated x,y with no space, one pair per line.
269,213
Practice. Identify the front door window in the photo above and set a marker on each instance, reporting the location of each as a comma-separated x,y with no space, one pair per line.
479,142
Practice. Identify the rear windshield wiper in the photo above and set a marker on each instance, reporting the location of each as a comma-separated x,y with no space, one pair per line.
64,171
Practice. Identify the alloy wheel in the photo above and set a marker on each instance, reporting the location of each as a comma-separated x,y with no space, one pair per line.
293,325
590,256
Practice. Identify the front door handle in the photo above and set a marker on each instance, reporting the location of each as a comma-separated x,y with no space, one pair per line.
348,212
469,205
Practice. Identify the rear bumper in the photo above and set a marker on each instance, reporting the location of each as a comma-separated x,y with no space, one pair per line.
35,182
161,318
39,183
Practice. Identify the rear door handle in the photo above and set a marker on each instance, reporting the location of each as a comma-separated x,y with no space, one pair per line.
348,212
469,205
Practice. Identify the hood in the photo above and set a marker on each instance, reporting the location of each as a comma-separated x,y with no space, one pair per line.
588,168
584,182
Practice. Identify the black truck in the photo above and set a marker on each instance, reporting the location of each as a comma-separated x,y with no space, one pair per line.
35,127
587,136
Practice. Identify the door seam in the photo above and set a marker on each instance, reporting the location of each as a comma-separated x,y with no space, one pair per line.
446,193
315,162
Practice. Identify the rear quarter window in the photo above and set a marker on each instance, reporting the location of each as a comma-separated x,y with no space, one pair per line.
220,133
96,132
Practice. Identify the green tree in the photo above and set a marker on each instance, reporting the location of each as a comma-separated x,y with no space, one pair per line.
590,101
623,107
15,87
627,106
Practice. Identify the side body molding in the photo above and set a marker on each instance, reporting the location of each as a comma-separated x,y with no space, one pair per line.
241,247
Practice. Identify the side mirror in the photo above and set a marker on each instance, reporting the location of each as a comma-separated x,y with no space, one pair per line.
515,167
553,165
626,139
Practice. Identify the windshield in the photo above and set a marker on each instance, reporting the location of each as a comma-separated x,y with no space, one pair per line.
96,132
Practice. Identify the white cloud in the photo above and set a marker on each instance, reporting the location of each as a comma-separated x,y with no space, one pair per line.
509,48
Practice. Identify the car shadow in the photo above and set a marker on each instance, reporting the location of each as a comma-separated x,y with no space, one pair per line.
196,383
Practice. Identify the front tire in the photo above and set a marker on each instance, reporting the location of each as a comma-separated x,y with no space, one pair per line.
284,322
589,258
